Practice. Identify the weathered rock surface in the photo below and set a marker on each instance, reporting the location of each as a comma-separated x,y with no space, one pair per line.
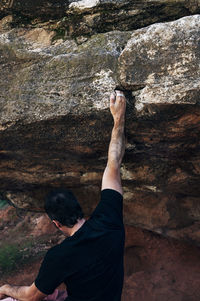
163,59
55,123
158,269
40,80
86,17
161,62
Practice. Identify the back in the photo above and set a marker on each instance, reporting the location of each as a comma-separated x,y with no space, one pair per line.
90,262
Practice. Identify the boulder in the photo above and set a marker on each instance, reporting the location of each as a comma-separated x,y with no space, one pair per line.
54,111
55,123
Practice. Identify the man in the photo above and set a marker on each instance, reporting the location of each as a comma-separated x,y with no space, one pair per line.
90,260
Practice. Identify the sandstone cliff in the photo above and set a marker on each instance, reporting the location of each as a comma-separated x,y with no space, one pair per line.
59,61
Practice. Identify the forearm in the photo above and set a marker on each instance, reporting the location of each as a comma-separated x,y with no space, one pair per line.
16,292
111,176
117,144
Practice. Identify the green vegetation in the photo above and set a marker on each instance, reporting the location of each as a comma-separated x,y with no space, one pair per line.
13,255
10,255
60,34
3,203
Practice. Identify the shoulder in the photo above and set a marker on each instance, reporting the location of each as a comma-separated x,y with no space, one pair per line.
109,210
57,250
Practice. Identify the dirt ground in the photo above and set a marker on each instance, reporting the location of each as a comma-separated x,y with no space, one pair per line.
156,268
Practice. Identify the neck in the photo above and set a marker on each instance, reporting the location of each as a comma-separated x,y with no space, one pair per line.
76,227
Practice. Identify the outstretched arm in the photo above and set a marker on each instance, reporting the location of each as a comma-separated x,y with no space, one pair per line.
22,293
111,177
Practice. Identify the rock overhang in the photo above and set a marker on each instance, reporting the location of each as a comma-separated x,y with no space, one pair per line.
56,125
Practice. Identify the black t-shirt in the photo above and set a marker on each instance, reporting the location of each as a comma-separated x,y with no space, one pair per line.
90,262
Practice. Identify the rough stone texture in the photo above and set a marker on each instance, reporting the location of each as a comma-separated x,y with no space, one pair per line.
55,123
159,269
161,63
163,59
40,80
86,17
53,109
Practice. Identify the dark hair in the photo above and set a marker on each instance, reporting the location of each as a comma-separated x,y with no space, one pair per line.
61,205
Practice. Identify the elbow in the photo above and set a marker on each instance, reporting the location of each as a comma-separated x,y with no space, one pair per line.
33,294
35,298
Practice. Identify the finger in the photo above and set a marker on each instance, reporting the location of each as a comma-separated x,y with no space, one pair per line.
120,93
112,99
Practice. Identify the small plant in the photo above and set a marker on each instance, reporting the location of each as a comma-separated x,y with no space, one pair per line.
10,255
14,255
60,34
3,203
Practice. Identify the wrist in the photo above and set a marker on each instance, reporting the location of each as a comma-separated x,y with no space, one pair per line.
119,121
5,289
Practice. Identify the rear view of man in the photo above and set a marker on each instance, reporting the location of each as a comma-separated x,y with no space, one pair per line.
90,260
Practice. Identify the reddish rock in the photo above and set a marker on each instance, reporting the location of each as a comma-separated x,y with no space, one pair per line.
156,268
42,225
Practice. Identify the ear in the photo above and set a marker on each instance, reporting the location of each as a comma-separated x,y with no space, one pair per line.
58,224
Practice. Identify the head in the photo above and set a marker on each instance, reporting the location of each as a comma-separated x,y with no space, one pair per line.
62,207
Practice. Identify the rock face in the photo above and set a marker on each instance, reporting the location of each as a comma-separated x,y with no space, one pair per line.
86,17
55,123
164,60
157,268
161,62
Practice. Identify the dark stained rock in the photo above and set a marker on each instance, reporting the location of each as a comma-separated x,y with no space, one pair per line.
48,8
86,17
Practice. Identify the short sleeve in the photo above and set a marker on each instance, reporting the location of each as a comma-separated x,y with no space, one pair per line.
50,275
110,209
